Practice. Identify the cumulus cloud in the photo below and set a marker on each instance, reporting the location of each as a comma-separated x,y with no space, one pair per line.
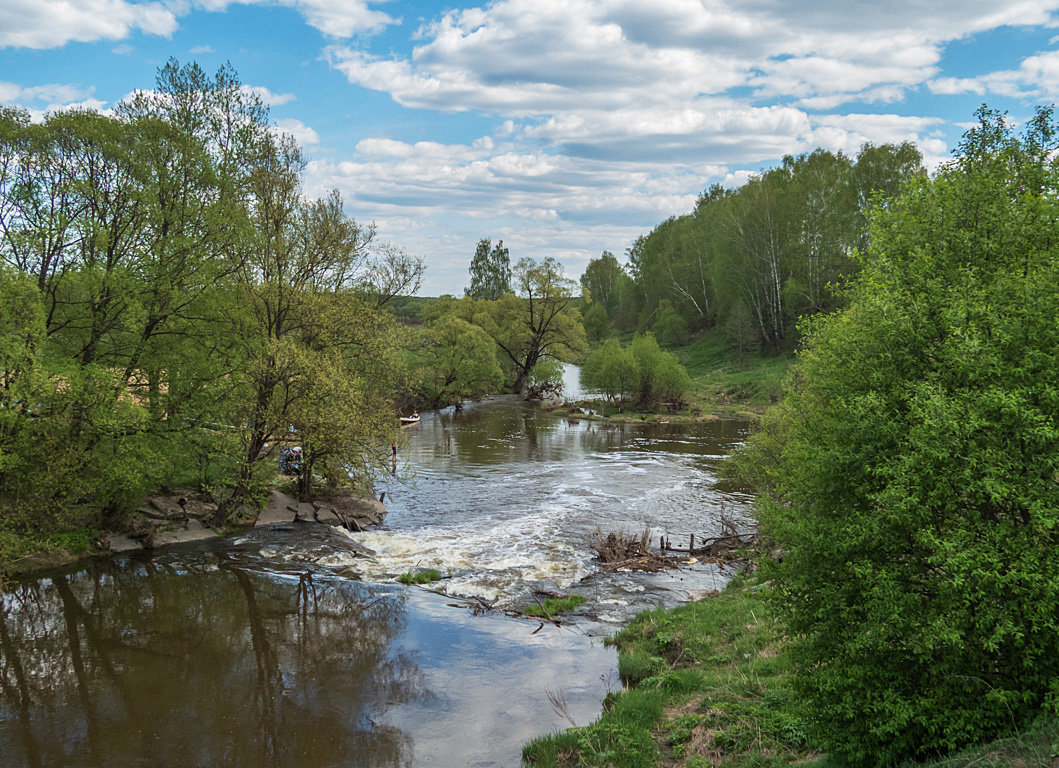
532,57
39,100
1037,77
302,133
52,23
268,97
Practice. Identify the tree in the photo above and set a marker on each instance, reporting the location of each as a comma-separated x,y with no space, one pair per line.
457,360
611,370
490,271
602,280
595,321
671,328
540,322
908,474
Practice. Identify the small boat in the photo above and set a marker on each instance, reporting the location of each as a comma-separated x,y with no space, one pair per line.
413,419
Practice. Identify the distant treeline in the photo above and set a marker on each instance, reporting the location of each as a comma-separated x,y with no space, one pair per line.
752,259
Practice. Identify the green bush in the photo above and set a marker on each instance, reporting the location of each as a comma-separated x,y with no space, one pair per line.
909,474
670,328
425,576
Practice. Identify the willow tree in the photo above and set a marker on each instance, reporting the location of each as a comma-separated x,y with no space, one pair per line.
539,321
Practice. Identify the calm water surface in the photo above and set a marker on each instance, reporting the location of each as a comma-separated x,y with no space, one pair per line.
281,648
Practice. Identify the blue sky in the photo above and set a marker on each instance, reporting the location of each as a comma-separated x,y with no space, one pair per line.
563,127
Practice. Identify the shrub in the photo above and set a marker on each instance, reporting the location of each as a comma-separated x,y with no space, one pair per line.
909,474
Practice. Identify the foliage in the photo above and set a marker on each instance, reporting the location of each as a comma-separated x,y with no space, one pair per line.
539,322
490,271
545,380
595,320
760,256
425,576
552,606
604,281
670,328
909,472
169,302
642,372
611,370
456,360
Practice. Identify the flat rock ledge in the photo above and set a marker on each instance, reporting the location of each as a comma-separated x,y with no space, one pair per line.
182,518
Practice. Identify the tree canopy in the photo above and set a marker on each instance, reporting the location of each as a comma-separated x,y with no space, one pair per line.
909,473
490,271
172,302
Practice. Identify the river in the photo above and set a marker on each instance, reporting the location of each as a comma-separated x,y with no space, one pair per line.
282,648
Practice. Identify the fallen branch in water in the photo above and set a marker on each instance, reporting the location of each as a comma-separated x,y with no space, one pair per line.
628,552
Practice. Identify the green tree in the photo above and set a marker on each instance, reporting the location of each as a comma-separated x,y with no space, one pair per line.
490,271
595,321
670,327
611,370
909,472
457,360
539,322
602,280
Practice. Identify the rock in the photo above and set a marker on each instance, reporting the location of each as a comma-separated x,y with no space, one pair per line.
194,525
305,511
114,543
279,510
182,537
152,513
327,516
167,507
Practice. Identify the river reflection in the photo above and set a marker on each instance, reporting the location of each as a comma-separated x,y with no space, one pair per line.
270,651
203,658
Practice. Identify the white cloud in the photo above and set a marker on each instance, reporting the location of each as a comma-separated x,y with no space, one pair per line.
39,100
341,19
201,49
533,57
53,23
1037,77
302,133
268,97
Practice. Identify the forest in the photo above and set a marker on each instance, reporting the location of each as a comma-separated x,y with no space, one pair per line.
754,259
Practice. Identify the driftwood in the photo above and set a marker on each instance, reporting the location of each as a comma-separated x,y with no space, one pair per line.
628,552
720,547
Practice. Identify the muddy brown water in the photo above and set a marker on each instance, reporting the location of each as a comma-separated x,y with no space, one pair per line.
281,648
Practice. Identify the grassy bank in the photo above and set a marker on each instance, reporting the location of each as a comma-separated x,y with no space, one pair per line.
708,685
723,382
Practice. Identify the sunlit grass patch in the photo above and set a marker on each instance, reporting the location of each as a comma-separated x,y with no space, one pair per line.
552,606
425,576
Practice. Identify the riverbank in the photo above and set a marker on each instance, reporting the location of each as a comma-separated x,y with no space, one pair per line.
180,517
709,684
724,385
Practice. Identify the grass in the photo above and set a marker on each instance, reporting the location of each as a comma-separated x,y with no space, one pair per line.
554,605
425,576
707,685
721,381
